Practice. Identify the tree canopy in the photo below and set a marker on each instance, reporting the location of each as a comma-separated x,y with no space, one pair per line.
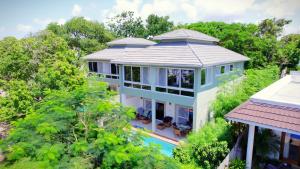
82,35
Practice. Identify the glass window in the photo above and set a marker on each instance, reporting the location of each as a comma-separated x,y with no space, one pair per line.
145,75
93,67
203,76
183,115
113,69
136,74
222,69
127,73
161,81
187,79
173,77
172,91
90,66
187,93
231,67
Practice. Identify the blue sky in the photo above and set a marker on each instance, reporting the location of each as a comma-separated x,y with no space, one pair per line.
19,18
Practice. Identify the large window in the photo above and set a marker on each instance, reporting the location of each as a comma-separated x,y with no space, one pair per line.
203,76
175,81
161,77
136,74
114,69
173,77
137,77
187,79
184,115
222,71
146,73
93,67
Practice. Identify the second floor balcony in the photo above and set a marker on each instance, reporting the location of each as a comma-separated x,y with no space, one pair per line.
104,69
177,81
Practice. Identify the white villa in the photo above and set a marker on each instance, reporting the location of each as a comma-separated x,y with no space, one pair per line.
171,82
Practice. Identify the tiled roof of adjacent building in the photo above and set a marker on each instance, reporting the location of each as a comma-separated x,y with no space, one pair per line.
276,106
185,34
188,54
264,114
131,42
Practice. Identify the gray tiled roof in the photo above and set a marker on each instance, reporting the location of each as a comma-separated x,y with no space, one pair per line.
185,34
181,54
110,53
131,41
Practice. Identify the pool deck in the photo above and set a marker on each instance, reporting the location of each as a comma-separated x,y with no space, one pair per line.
166,134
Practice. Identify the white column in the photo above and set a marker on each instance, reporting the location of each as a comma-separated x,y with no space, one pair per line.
123,99
250,143
286,145
153,110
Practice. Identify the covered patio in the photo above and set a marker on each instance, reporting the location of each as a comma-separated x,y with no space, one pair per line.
280,119
171,120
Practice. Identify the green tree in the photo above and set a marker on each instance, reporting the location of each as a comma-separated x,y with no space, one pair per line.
272,27
81,124
156,25
127,25
82,35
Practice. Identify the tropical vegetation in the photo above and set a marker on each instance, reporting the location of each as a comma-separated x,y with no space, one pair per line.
61,119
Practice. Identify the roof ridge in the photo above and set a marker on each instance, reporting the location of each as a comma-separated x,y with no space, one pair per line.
195,53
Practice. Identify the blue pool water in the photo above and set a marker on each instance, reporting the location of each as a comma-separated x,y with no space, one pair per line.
165,147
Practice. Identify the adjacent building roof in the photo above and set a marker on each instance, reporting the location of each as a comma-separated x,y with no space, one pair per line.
185,34
188,54
268,116
131,42
275,107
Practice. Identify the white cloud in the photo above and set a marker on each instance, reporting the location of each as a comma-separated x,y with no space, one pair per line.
76,11
24,28
61,21
279,8
223,7
42,22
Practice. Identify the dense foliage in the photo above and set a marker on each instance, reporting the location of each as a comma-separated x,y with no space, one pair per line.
237,164
259,42
210,155
127,25
32,67
235,93
82,35
206,147
80,128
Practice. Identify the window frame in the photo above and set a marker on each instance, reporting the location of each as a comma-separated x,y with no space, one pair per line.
134,84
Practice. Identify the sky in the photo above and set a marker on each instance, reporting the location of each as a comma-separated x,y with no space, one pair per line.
19,17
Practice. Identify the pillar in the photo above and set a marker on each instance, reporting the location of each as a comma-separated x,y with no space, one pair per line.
250,143
153,111
286,148
123,99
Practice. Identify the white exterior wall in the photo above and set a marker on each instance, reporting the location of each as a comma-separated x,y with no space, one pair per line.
134,101
204,100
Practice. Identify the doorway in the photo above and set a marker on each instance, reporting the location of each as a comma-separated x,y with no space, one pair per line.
160,111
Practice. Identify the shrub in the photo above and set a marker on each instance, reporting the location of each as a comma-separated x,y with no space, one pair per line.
237,164
182,154
231,96
218,130
210,156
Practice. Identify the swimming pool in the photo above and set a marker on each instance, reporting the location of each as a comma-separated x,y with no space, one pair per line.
165,147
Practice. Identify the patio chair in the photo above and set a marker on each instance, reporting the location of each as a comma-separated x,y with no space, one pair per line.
167,122
140,113
148,118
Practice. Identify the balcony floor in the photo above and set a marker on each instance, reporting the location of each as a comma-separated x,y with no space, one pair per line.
167,132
